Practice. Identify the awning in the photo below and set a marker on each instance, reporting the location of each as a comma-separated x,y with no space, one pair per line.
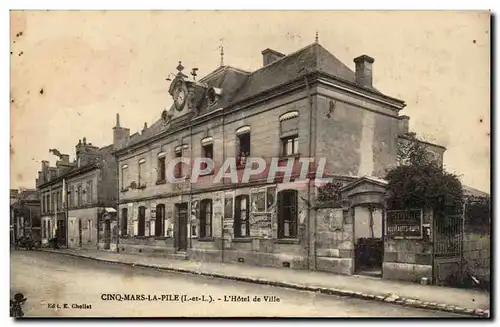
109,210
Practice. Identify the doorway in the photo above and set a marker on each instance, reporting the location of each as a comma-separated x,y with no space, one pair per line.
80,232
181,230
61,232
107,234
368,240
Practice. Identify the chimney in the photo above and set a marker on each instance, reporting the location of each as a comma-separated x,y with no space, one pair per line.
121,135
269,56
403,125
364,76
145,127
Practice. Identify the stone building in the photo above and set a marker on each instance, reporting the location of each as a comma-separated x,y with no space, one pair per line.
77,195
307,104
25,214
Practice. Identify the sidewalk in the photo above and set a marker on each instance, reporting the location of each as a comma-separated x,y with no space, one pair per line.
454,300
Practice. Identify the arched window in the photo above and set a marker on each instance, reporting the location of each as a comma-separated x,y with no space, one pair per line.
124,225
243,145
289,133
287,214
206,218
160,220
141,228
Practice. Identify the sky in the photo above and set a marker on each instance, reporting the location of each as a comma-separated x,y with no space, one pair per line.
72,71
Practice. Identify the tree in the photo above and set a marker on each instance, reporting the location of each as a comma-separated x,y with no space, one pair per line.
418,182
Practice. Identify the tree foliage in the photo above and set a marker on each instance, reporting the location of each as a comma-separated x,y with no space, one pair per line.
419,182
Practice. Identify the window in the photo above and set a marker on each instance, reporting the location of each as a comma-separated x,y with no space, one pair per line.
79,195
125,182
49,227
287,214
289,131
70,197
141,178
178,166
124,222
44,230
241,216
89,224
206,218
141,228
89,192
290,145
160,220
161,168
243,141
208,150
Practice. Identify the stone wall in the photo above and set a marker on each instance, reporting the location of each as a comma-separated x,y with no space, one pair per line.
409,259
477,254
334,241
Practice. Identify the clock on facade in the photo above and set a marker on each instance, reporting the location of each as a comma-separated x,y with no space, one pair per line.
180,96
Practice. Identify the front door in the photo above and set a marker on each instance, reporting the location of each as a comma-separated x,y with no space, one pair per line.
61,232
181,234
80,232
107,234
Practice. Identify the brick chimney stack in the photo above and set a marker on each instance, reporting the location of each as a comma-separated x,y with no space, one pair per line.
364,71
404,125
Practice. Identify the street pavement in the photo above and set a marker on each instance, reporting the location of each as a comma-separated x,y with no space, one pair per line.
50,280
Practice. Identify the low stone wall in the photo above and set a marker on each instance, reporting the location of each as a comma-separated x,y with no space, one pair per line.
477,254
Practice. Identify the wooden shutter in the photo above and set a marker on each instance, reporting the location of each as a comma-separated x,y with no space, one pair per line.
237,216
202,218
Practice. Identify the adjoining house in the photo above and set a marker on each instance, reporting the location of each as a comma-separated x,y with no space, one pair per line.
307,104
25,214
77,195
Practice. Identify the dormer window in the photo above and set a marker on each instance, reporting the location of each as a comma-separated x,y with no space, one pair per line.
213,95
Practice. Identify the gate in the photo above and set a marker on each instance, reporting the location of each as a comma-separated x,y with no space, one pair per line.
448,248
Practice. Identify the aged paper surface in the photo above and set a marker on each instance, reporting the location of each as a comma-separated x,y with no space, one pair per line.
106,221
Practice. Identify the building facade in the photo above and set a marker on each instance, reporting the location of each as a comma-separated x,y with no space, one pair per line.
304,105
25,214
76,196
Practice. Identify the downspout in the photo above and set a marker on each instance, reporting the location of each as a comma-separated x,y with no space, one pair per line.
224,198
309,221
118,218
190,187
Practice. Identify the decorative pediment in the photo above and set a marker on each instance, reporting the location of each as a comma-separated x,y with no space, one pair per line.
365,185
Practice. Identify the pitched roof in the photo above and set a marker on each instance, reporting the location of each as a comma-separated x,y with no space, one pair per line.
313,57
470,191
237,84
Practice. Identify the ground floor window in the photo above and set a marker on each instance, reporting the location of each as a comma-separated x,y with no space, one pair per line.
124,225
206,218
141,228
241,216
287,214
160,220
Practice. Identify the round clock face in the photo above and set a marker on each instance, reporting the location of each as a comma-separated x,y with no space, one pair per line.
179,97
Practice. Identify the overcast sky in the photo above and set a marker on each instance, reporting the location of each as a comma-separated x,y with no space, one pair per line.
91,65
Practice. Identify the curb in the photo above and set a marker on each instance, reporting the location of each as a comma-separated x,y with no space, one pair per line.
392,298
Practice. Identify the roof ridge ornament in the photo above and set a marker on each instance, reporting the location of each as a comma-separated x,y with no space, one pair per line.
179,67
317,37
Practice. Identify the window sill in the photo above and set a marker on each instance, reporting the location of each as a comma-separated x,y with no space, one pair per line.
160,238
287,241
241,240
123,190
206,239
141,186
161,182
142,237
289,156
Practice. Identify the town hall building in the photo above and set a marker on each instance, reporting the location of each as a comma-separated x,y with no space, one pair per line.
307,104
